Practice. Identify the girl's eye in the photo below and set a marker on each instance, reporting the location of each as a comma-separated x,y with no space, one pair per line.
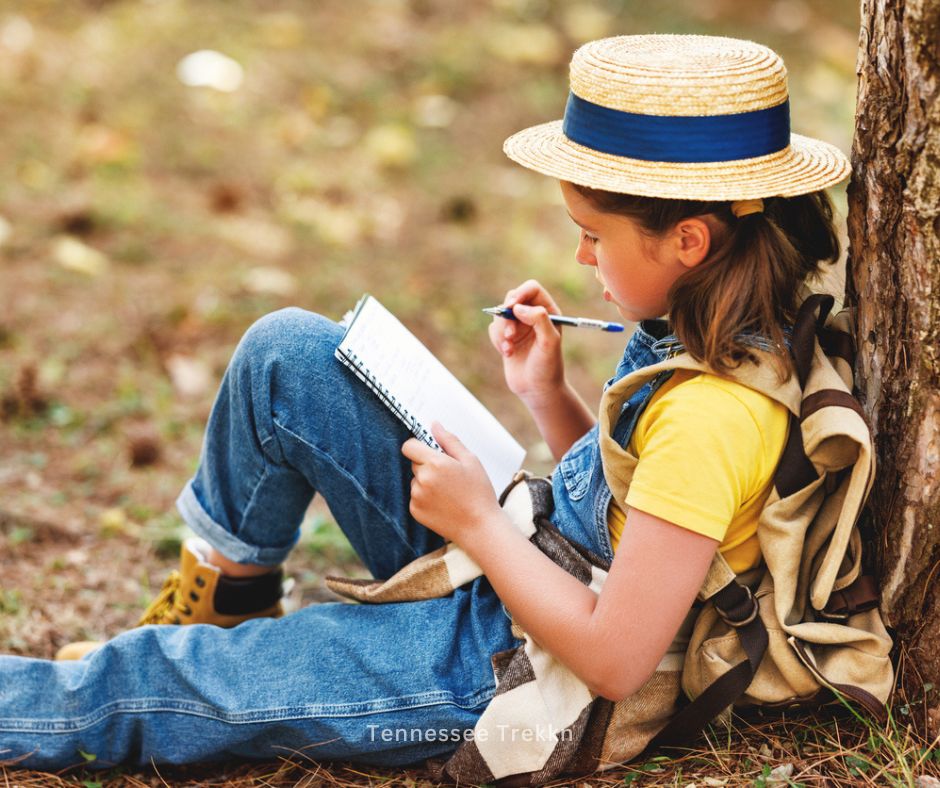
590,238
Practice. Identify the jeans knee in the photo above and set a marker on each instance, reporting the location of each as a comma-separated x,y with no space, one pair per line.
288,338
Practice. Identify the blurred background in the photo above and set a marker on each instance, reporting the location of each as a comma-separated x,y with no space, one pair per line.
170,171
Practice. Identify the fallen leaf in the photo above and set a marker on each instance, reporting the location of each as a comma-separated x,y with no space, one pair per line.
780,774
435,111
530,44
211,69
335,224
391,145
257,237
112,521
585,22
266,279
35,174
190,376
98,144
75,255
317,100
17,35
76,557
385,216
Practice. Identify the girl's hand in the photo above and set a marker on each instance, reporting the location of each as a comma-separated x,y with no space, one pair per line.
530,345
450,492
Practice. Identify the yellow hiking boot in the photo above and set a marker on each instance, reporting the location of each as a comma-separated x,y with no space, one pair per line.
199,594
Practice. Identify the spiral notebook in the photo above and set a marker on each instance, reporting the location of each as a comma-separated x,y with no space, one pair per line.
419,389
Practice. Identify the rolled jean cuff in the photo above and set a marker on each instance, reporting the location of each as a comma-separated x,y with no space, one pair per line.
224,540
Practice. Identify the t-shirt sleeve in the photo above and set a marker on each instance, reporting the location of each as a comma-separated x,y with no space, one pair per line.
699,458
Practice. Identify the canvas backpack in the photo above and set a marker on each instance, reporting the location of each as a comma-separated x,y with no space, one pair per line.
801,629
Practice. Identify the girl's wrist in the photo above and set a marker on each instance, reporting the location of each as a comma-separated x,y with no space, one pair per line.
546,399
488,534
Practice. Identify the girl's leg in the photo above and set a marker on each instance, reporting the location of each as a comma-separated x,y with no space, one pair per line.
290,420
385,684
382,684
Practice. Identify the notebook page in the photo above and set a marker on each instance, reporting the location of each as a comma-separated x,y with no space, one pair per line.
400,363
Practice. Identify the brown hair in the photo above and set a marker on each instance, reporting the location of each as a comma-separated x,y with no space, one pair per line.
750,280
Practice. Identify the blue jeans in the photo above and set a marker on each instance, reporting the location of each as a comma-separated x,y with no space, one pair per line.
387,684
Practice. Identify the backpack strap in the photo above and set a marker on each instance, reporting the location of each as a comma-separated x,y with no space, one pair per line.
738,607
808,324
734,602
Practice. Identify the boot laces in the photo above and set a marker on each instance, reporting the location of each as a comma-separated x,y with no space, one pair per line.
168,606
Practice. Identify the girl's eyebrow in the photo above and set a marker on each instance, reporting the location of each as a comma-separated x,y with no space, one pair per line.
584,226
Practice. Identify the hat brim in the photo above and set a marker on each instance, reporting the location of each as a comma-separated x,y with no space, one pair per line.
806,165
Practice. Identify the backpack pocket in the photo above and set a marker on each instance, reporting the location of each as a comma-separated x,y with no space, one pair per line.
715,648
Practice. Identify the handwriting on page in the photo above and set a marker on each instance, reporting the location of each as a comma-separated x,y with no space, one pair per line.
420,389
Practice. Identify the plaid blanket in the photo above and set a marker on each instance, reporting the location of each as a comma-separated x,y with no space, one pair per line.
543,720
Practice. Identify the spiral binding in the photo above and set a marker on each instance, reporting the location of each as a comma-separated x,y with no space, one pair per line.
357,365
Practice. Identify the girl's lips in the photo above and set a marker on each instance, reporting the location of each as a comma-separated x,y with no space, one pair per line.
607,295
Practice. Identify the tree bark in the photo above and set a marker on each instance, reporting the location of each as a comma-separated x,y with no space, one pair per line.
893,282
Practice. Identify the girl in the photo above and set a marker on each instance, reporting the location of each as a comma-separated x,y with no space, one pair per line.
693,201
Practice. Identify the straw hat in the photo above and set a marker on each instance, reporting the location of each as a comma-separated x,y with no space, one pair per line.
694,117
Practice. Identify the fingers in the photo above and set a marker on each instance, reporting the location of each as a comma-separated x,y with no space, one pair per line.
531,292
505,334
497,332
450,443
418,451
546,334
421,454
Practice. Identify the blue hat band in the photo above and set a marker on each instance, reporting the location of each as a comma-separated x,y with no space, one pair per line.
677,138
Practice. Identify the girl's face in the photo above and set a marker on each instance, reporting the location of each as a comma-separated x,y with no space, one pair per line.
635,270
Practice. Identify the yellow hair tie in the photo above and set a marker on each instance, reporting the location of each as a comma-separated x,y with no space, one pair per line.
744,207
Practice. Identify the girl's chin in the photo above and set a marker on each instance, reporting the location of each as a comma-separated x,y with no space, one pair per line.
631,316
610,299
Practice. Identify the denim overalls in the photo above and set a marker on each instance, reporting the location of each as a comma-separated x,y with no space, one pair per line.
578,485
386,684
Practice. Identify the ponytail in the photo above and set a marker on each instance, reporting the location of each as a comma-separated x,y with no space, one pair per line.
750,281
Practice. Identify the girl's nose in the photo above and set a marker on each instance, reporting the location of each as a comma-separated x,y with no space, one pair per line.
584,253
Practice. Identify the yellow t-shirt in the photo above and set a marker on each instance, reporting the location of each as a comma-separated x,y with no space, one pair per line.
706,450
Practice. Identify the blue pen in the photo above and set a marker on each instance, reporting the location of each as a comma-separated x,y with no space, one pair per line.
561,320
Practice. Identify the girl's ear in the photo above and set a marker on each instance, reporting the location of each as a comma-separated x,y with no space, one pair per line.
693,240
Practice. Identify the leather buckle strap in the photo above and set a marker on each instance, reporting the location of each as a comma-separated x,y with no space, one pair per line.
740,611
744,610
860,596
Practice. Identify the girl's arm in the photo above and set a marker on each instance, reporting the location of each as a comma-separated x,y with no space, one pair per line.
612,641
534,369
561,418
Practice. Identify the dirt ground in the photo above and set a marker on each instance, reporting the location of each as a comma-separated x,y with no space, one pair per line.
146,223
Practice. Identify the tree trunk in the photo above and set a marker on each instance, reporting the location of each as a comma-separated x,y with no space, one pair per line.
894,282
